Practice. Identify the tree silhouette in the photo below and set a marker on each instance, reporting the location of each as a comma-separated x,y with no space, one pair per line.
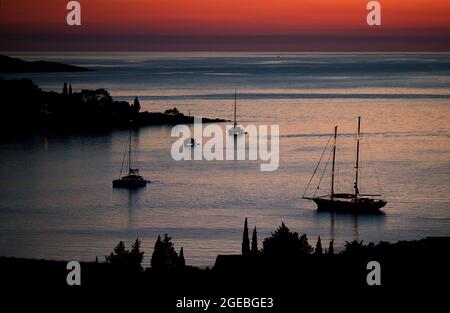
254,249
318,250
171,254
136,107
355,247
283,243
181,261
119,255
164,256
124,259
158,260
173,111
245,240
331,248
136,255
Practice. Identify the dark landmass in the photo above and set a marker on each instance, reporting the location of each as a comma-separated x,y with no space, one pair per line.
15,65
26,108
286,269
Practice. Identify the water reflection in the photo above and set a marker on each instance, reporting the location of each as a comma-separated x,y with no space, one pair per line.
340,221
131,200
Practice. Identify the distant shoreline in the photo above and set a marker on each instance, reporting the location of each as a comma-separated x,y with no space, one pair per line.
9,65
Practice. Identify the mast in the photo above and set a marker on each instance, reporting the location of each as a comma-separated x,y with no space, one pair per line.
235,100
357,156
129,151
334,161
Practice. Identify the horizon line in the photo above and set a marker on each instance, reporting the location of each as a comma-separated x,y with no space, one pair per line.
230,51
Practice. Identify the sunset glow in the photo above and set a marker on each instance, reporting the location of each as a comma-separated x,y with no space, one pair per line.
305,25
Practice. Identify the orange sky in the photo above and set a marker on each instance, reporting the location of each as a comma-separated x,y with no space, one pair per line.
225,24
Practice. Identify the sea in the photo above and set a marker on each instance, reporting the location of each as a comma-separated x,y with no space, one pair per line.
56,195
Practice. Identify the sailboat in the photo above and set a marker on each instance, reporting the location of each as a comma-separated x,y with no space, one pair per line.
133,179
347,202
235,130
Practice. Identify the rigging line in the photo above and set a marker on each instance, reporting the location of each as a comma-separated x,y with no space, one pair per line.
323,172
317,166
134,156
123,160
361,167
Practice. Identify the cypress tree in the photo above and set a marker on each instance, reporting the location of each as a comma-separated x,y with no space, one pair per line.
254,249
181,261
136,106
245,240
318,250
331,248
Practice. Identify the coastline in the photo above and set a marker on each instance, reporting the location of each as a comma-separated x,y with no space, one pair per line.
29,109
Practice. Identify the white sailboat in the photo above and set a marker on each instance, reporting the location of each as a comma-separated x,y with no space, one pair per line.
235,130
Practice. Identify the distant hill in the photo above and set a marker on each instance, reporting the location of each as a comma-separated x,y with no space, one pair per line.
15,65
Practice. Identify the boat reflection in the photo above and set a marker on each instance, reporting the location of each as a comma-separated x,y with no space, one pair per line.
131,199
350,221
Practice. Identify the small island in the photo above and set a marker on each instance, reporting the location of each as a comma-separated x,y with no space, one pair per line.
15,65
27,108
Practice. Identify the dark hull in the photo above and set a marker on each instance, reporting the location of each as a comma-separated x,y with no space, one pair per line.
356,206
121,183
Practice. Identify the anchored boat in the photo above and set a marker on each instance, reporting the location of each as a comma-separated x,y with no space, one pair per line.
346,202
235,130
133,179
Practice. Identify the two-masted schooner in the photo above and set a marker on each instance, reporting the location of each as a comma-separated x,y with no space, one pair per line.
133,179
346,202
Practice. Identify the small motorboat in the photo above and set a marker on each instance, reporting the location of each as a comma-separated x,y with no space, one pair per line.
190,142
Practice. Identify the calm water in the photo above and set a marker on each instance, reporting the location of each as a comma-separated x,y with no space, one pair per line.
56,199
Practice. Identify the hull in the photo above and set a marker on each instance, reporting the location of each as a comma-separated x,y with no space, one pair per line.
122,183
235,131
361,205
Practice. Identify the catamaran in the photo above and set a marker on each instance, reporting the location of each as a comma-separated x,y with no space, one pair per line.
346,202
235,130
133,179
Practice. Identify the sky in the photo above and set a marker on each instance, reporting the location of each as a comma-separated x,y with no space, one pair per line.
225,25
